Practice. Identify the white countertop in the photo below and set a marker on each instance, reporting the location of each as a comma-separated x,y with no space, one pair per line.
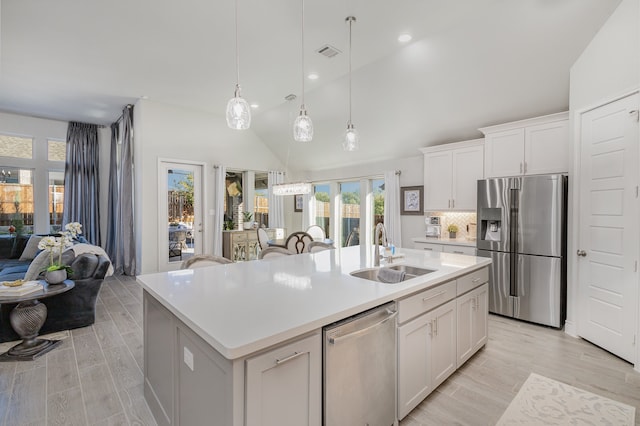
445,240
244,307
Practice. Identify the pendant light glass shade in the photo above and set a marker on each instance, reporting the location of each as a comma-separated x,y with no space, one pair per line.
238,112
303,127
351,139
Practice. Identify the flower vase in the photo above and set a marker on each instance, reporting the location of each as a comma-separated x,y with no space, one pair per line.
55,277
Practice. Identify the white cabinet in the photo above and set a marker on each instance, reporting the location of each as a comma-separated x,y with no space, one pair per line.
426,355
472,310
528,147
284,385
471,251
418,245
450,175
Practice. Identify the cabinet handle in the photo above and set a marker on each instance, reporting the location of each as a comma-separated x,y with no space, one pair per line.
435,322
449,203
424,299
453,204
289,358
431,328
475,280
520,167
458,252
525,167
427,248
474,304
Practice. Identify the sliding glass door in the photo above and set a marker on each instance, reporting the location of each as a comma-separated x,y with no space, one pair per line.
349,213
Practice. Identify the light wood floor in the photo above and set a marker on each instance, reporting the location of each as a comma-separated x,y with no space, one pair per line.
95,376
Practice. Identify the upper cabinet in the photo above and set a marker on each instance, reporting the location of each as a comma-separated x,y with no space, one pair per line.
450,175
528,147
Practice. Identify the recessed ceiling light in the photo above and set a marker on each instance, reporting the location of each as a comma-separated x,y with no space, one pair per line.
254,106
313,76
404,38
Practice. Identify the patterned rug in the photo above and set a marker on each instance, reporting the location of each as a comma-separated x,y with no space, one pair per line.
543,401
60,335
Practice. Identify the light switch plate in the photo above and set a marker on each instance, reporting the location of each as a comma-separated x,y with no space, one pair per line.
188,358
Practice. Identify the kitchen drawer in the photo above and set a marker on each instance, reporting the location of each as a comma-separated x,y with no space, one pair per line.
427,246
425,301
472,280
459,249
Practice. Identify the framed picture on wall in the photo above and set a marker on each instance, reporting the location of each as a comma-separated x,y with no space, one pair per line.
297,203
411,200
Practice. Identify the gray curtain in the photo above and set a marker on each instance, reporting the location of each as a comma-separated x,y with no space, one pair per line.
82,180
121,241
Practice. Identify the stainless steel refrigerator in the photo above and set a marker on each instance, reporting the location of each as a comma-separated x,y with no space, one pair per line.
522,228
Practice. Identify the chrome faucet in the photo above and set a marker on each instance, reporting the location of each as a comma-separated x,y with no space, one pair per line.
376,256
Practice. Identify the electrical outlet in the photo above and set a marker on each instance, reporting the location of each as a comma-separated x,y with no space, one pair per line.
188,358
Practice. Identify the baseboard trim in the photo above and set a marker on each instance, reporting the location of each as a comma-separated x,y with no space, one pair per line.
570,328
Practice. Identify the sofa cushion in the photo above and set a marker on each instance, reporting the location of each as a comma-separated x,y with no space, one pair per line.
14,269
19,243
37,265
31,249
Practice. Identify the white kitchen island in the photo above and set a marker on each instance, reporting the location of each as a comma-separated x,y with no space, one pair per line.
213,335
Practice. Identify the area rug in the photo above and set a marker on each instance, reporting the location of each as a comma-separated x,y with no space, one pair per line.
543,401
60,335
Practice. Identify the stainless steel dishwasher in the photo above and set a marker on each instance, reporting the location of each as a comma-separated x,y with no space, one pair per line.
360,369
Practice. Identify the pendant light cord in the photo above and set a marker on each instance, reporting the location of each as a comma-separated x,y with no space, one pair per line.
302,51
237,50
350,18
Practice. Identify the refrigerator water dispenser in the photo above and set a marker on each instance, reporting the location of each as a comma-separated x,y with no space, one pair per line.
490,224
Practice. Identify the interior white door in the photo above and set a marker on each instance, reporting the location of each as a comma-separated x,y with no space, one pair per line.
180,213
608,236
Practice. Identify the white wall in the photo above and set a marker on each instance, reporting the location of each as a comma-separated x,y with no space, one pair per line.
175,133
608,67
411,175
41,129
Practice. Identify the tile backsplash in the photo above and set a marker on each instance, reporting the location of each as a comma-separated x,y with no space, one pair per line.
461,219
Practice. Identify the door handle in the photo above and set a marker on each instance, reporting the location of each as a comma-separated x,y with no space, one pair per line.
581,253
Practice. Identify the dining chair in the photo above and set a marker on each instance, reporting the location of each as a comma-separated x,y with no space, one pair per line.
202,260
316,246
298,241
271,252
263,238
354,238
316,232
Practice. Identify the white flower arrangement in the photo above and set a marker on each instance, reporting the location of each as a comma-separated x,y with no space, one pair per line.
56,245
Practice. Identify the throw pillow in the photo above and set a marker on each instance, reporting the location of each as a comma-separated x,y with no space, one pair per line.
31,250
37,265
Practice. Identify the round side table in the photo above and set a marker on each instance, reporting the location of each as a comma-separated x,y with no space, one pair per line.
27,318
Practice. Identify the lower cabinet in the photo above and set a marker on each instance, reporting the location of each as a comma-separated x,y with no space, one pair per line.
437,333
471,251
187,382
284,385
472,322
426,355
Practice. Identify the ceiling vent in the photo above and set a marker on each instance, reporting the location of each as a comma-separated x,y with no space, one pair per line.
328,51
290,97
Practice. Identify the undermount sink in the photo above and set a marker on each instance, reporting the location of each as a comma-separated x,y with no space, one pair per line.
371,274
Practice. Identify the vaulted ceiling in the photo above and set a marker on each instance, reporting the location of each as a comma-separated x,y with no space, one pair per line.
471,63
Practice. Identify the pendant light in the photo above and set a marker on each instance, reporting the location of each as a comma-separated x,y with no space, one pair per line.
302,126
238,111
351,139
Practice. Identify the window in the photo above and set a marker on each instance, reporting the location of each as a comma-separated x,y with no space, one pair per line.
56,201
260,199
16,147
323,207
350,213
233,205
16,201
57,150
